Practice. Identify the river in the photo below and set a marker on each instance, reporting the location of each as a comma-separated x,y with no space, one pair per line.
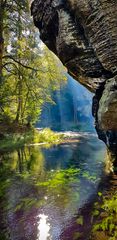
47,193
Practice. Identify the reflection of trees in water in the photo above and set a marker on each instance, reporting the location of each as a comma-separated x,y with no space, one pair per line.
31,186
19,194
25,160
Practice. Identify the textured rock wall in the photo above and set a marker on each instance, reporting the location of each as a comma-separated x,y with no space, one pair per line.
83,34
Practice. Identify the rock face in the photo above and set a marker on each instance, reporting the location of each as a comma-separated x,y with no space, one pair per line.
83,34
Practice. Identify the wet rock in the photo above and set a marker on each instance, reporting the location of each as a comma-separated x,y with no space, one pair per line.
107,114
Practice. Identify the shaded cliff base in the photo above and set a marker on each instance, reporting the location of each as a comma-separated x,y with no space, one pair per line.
104,111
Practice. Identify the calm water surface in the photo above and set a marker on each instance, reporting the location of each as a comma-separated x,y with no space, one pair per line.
47,193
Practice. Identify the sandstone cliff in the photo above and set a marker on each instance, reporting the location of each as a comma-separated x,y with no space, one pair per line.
83,34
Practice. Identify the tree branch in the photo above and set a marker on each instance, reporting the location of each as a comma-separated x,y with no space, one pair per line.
9,63
23,65
13,73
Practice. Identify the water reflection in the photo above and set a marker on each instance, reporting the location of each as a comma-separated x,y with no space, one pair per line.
43,228
43,190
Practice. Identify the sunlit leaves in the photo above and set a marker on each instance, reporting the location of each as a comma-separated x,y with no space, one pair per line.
30,73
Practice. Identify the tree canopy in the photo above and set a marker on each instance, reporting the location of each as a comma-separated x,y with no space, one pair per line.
29,72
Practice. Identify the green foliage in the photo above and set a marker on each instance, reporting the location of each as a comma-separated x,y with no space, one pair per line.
56,184
30,72
108,216
16,140
46,136
80,220
99,194
89,176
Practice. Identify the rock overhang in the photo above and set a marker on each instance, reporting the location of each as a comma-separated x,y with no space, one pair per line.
83,34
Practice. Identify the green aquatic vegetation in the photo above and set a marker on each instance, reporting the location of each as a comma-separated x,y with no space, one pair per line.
106,216
58,181
89,177
26,167
28,202
60,178
80,220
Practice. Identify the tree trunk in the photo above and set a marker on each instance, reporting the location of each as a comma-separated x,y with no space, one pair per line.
1,36
20,100
20,87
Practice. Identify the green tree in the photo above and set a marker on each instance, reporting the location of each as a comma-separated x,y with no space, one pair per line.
30,71
2,3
